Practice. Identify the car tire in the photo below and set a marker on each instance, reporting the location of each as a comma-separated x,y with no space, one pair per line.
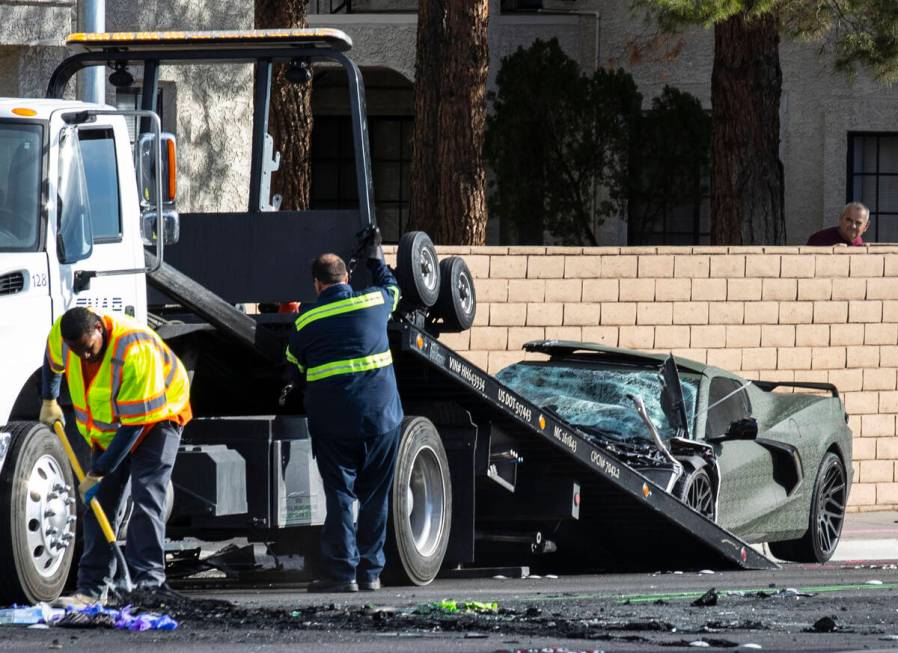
418,269
697,492
826,517
457,301
420,506
37,494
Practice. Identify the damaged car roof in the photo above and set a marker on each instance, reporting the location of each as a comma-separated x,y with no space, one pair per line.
562,348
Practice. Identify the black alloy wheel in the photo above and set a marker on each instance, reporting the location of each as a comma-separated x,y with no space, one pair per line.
826,517
698,493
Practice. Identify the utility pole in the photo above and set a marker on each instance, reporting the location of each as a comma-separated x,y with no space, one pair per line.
92,80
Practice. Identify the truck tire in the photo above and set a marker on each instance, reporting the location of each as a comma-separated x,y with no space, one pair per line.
457,302
418,269
825,519
420,506
37,508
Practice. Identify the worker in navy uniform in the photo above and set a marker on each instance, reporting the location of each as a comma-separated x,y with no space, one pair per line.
340,348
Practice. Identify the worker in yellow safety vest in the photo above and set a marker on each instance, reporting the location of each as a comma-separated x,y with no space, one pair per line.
131,399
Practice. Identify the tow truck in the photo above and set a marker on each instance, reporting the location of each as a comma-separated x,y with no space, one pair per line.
87,219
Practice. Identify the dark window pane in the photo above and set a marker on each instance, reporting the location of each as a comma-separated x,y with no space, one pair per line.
101,172
888,194
887,228
386,182
324,181
386,139
888,154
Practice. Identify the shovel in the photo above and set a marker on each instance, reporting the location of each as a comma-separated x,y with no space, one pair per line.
105,526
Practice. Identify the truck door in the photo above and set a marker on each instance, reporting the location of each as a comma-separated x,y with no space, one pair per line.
25,314
114,218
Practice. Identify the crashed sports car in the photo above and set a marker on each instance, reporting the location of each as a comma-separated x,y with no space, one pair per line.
769,461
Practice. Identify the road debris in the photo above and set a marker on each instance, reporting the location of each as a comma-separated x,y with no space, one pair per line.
707,599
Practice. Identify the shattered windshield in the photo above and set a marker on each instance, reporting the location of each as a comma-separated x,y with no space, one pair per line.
594,397
20,186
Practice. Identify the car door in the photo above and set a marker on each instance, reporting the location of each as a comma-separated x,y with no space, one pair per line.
747,492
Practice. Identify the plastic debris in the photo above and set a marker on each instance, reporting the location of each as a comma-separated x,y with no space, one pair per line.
97,616
705,572
699,643
750,645
873,582
535,577
707,599
552,576
27,615
450,606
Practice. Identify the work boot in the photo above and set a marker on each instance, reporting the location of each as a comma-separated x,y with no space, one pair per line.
78,601
328,586
370,585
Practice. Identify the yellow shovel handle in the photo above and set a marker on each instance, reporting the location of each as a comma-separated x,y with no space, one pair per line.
105,526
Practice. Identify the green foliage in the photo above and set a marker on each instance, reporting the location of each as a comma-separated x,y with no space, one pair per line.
673,159
861,33
554,137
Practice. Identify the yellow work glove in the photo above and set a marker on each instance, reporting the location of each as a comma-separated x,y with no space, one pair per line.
50,412
89,486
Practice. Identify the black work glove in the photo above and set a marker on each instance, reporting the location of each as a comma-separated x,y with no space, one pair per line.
372,248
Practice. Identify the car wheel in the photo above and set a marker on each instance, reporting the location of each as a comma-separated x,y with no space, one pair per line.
825,520
37,516
418,269
420,506
697,492
457,301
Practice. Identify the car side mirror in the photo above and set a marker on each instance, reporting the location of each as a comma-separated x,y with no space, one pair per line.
171,227
743,429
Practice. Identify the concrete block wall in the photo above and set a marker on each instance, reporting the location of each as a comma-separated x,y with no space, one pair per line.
779,313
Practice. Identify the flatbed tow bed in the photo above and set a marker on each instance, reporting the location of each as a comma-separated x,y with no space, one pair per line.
627,520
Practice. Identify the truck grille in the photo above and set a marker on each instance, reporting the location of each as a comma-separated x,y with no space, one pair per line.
11,283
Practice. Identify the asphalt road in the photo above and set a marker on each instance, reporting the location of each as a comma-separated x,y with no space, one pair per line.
834,607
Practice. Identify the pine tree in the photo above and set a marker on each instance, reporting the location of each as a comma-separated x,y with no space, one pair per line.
747,187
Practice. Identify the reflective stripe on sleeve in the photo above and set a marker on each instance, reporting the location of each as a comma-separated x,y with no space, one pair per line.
295,361
356,303
394,291
349,366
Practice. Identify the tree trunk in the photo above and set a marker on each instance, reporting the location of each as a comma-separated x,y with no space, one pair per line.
290,113
448,198
747,194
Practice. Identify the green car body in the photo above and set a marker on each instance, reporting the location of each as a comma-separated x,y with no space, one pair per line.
783,481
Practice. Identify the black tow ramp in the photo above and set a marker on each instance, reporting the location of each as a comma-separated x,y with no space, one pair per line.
711,542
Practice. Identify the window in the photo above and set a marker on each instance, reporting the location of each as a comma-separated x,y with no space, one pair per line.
129,98
736,406
20,186
873,180
101,172
333,168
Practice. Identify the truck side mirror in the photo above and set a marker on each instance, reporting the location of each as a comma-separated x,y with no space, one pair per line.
743,429
144,164
145,168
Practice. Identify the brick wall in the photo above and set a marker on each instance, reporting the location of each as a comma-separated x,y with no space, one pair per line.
780,313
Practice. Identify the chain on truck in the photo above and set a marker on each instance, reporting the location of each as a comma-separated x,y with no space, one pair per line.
87,219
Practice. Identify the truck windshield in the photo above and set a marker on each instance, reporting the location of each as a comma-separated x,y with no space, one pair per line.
20,186
594,397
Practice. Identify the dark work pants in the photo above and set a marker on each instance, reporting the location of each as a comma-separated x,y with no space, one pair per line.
359,468
149,469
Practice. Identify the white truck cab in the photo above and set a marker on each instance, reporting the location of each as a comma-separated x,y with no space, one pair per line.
73,226
68,203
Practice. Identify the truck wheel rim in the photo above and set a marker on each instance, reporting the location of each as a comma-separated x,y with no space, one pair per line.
831,508
465,294
427,263
49,516
426,502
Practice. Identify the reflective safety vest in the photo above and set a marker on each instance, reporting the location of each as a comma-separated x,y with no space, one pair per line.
138,381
